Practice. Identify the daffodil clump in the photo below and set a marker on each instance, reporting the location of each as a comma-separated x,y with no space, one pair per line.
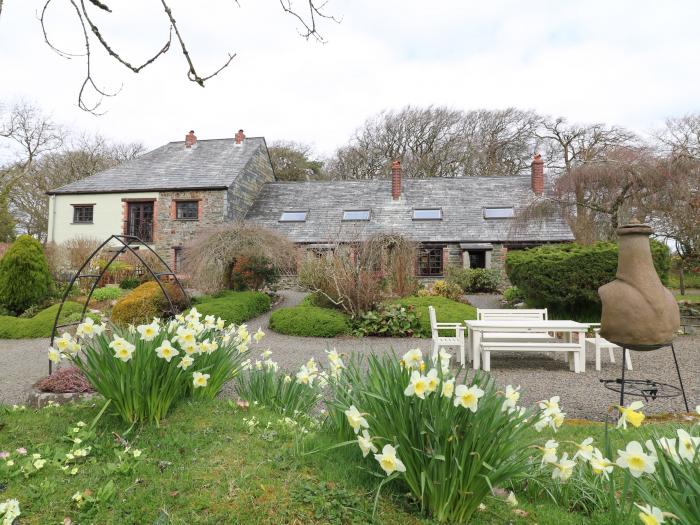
291,394
9,511
144,370
448,439
664,471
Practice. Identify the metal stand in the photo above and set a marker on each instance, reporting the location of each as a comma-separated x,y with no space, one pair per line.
622,382
127,242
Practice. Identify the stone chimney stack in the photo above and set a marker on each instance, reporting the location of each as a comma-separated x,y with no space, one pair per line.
537,168
190,139
240,136
396,179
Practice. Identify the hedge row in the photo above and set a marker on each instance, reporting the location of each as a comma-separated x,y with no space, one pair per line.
38,326
310,321
234,307
565,278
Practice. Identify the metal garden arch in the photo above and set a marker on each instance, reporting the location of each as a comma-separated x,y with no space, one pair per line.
126,242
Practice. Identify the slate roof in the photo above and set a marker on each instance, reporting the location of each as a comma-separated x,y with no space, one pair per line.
462,201
211,164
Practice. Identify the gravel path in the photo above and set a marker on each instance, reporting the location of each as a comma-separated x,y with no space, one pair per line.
23,362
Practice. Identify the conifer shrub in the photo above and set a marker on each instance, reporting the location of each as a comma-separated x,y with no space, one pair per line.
565,278
147,301
25,279
309,321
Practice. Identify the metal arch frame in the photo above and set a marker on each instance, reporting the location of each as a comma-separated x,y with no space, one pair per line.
126,242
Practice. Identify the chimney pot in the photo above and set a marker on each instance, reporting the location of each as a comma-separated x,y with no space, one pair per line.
396,179
190,139
537,174
240,136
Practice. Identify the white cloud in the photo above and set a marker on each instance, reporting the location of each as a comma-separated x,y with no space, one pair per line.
628,63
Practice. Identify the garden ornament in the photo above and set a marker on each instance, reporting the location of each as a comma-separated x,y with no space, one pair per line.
638,311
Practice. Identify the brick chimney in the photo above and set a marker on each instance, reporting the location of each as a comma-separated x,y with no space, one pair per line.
396,179
240,136
537,168
190,139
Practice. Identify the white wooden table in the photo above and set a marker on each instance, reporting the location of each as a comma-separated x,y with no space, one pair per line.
478,328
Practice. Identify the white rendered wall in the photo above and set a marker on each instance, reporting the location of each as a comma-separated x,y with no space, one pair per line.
107,215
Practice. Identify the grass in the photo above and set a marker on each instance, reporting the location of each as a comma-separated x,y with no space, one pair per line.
691,279
310,321
446,310
38,326
234,307
205,465
693,298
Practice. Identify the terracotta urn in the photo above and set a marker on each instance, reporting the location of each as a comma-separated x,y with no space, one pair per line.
638,311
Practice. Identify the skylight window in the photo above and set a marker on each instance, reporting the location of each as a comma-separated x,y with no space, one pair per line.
355,215
293,216
498,213
427,214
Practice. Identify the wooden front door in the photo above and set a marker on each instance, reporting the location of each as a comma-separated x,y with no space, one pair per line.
140,222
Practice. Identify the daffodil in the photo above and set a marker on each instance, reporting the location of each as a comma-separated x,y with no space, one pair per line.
549,452
388,460
468,397
166,351
200,380
209,347
418,385
413,358
356,419
186,337
209,322
86,328
365,442
563,468
220,324
305,377
650,515
54,355
193,316
123,349
636,460
631,415
512,500
243,335
63,342
257,337
148,331
584,450
9,511
185,362
550,406
512,396
687,445
448,388
600,464
433,380
191,348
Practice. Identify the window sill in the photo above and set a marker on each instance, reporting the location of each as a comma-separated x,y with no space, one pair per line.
187,220
82,223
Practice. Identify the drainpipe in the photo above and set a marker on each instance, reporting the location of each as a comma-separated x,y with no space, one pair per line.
53,218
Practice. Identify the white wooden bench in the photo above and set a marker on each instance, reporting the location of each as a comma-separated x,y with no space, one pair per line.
452,340
599,343
510,314
572,351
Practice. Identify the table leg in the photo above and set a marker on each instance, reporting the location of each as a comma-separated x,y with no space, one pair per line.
476,344
582,351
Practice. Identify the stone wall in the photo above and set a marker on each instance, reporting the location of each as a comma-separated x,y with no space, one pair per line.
171,232
241,195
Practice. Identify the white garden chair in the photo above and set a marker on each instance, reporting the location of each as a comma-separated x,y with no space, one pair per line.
599,343
440,341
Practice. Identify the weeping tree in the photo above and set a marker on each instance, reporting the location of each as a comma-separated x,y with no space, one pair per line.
213,260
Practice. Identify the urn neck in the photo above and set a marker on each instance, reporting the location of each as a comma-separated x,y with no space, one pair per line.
635,264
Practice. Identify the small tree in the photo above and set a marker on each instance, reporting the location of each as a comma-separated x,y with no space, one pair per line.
25,279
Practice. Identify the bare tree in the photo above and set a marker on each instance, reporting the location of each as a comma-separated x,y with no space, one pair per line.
439,142
87,12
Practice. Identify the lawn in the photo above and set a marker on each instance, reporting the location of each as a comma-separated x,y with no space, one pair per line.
234,307
206,464
446,311
693,298
40,325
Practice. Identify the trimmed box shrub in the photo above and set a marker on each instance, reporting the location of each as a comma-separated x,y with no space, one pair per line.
25,279
565,278
146,302
234,307
309,321
38,326
446,310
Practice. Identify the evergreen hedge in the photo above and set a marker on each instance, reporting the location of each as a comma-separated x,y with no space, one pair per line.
310,321
565,278
40,325
25,279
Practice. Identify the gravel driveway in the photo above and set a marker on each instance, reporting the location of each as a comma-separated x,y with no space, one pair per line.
23,362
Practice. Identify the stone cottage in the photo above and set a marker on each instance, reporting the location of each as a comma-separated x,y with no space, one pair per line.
168,195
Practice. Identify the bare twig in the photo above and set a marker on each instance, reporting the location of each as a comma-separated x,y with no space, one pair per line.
310,26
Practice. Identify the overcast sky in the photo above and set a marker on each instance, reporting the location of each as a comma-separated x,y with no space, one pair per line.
631,63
